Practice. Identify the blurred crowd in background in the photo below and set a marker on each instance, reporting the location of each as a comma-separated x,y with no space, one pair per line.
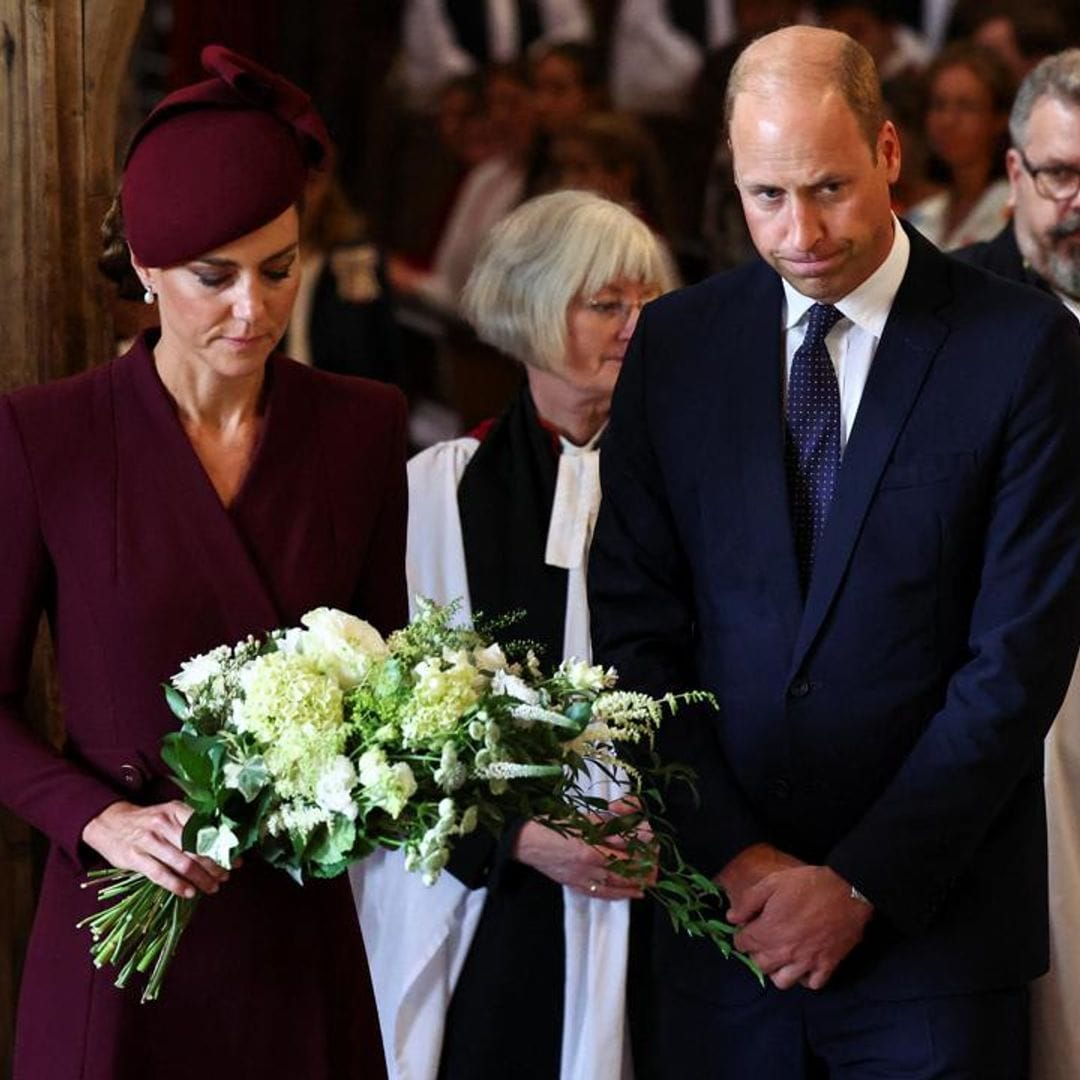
448,113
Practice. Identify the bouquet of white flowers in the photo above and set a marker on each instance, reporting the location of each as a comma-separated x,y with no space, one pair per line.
316,745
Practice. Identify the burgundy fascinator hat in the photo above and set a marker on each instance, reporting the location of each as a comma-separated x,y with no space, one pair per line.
218,159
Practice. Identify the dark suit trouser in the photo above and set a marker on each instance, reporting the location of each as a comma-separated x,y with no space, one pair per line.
839,1033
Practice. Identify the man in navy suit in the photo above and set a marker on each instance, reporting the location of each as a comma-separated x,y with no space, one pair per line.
840,491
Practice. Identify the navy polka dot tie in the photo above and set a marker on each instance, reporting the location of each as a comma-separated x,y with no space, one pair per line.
813,435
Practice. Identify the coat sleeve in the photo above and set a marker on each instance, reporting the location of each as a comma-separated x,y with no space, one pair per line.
921,832
641,604
36,782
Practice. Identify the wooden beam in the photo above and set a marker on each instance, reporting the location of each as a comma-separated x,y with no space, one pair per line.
62,66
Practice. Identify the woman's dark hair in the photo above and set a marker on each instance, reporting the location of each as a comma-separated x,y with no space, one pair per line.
115,259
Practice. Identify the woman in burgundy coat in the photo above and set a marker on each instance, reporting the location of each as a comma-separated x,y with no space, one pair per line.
194,491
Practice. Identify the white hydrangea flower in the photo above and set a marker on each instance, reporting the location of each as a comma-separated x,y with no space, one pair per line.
387,786
445,690
333,790
296,712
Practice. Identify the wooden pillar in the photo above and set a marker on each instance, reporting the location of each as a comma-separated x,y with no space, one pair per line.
62,66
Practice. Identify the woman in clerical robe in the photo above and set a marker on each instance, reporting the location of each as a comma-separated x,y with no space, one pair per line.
198,489
514,964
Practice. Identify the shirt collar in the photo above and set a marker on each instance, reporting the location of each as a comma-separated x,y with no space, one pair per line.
869,304
567,447
1069,302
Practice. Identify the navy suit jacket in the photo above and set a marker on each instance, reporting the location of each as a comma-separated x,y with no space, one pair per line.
890,725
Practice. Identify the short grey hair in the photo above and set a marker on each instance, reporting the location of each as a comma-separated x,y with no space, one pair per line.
1057,76
542,256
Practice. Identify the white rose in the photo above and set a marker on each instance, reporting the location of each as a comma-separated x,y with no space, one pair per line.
582,676
490,659
343,645
198,671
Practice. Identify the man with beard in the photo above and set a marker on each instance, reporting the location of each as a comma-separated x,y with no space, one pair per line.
1041,246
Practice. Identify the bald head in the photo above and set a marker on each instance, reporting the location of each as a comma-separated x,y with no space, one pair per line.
806,62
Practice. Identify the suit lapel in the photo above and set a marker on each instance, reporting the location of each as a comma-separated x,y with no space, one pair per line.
757,369
913,335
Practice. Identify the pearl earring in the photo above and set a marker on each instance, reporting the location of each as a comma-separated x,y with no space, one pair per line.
148,296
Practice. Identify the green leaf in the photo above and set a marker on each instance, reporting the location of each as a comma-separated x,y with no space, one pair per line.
177,702
198,797
251,778
329,870
189,757
580,712
198,821
333,843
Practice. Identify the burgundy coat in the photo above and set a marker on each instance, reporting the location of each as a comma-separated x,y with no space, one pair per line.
111,526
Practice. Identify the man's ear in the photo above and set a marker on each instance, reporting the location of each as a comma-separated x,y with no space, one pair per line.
1014,169
888,148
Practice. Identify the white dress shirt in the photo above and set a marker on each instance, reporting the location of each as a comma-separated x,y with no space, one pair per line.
1070,303
853,341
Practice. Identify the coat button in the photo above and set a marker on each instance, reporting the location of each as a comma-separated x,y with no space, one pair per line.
799,688
780,788
132,776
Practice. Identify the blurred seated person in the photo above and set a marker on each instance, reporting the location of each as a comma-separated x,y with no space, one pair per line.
342,320
1021,32
658,49
904,98
445,38
614,155
491,188
461,120
568,82
464,142
896,48
969,94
